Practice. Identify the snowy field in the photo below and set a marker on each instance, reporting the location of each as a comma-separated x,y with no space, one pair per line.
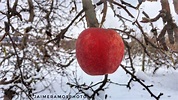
164,81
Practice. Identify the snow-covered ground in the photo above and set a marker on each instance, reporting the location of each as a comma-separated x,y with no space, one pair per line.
164,81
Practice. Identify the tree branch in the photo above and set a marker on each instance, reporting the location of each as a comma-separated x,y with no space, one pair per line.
90,13
139,81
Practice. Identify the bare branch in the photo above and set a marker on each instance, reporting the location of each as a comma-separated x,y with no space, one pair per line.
145,86
175,2
104,11
90,13
123,7
31,11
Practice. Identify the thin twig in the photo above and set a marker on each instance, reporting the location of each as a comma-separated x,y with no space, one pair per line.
139,81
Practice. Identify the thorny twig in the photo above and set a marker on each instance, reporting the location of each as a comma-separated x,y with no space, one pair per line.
82,87
139,81
63,31
101,86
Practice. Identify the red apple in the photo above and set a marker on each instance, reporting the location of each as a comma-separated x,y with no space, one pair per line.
99,51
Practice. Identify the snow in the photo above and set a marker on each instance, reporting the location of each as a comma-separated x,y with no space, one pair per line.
164,81
142,76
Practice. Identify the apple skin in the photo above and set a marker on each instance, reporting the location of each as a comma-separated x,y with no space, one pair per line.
99,51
